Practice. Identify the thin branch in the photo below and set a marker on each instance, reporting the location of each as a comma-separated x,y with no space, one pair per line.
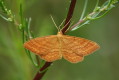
105,8
69,16
39,75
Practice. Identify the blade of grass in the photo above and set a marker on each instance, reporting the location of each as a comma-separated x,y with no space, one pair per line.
96,6
84,9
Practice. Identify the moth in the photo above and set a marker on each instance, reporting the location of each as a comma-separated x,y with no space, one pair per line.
54,47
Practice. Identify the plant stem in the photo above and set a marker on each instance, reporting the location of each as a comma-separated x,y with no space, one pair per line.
39,75
69,15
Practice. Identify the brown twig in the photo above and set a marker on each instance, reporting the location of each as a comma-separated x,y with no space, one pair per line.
39,75
69,16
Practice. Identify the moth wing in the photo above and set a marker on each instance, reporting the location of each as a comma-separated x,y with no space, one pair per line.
74,48
46,47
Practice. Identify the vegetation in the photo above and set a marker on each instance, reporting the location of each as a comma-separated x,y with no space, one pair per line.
13,44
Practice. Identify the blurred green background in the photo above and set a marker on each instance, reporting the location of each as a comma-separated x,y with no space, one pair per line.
102,65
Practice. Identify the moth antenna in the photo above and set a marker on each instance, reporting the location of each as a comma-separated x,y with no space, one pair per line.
69,27
55,23
65,25
61,24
